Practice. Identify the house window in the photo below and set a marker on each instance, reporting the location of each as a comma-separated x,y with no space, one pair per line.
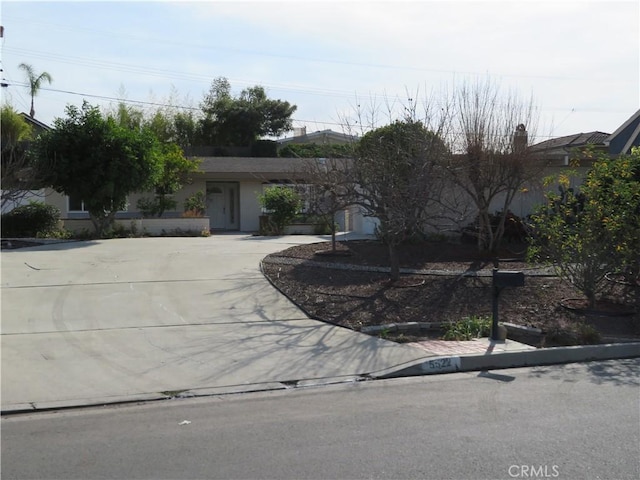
76,204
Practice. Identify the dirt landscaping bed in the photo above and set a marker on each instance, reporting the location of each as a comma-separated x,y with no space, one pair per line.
459,286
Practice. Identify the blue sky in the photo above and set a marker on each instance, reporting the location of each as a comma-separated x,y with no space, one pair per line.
580,60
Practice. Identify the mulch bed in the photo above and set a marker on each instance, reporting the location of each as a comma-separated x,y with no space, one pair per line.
356,298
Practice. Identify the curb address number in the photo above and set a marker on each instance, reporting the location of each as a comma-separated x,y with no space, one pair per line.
441,365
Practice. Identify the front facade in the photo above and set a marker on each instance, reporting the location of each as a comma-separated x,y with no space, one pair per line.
231,185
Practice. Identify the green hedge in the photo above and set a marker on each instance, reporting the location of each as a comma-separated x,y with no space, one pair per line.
312,150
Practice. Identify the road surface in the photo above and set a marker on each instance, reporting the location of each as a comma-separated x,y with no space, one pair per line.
576,421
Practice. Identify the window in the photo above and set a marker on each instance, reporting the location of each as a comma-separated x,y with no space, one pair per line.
76,204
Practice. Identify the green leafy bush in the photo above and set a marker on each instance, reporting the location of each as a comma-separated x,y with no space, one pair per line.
32,220
313,150
155,206
468,328
595,230
195,205
282,204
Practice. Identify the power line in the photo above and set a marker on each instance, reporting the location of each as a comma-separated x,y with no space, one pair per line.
197,109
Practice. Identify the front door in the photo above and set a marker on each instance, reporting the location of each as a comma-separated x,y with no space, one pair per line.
222,205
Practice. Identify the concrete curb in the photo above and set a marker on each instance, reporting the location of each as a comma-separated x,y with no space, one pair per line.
431,366
497,361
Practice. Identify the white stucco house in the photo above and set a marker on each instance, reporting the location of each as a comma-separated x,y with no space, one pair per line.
232,184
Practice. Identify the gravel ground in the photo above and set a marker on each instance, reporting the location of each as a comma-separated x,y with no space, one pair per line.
444,282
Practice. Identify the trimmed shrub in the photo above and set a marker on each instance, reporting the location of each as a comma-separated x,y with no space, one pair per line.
32,220
282,203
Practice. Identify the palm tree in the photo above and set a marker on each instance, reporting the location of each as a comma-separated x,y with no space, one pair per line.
35,82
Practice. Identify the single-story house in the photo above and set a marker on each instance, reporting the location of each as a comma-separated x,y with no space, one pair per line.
232,184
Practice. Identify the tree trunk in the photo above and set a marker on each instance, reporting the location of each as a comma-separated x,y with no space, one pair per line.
102,222
333,233
484,229
394,262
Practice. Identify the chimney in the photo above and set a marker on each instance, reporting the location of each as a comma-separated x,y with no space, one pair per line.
299,131
520,139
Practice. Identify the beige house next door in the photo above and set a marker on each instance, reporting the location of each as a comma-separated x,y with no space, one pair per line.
222,205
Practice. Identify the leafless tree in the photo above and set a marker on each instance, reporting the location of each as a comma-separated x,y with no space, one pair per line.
328,189
491,162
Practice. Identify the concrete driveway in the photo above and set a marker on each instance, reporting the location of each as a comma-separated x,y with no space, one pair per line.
126,319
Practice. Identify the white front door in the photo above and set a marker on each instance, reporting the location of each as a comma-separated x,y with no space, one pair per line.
222,205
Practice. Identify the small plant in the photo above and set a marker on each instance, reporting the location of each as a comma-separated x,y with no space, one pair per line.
282,204
58,233
468,328
191,214
195,205
587,334
384,333
155,207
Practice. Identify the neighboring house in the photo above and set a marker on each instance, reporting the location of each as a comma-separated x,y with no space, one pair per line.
572,152
322,137
37,126
625,137
560,151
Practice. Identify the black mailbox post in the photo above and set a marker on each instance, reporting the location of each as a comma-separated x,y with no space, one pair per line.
502,279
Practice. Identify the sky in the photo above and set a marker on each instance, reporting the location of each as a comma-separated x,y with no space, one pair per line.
578,62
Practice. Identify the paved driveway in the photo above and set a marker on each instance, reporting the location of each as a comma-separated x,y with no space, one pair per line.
122,319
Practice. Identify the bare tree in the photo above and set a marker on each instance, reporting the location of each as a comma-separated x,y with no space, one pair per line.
491,161
328,189
35,82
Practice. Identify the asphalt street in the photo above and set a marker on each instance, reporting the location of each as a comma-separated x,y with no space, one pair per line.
575,421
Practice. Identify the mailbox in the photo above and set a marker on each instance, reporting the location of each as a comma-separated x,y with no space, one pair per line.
508,278
502,279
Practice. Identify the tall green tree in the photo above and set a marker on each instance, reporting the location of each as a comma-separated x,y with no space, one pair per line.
35,81
93,158
17,176
241,120
176,169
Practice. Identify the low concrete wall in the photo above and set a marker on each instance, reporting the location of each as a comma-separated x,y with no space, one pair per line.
144,226
165,226
76,225
301,229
